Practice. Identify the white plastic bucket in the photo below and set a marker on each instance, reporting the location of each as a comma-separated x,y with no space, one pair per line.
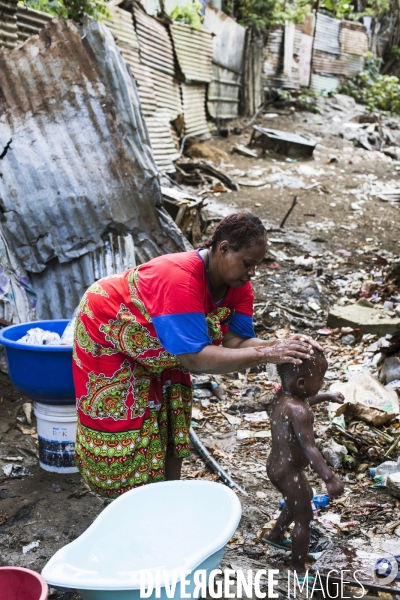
56,427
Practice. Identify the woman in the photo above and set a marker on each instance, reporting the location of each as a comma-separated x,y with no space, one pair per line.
139,334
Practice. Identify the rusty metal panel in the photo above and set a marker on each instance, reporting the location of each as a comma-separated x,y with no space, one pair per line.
193,48
194,107
79,165
223,93
30,22
353,38
327,34
8,23
229,39
330,64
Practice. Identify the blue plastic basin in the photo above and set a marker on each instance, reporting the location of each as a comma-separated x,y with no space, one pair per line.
43,373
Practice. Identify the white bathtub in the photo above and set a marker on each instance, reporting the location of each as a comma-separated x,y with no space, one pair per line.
174,525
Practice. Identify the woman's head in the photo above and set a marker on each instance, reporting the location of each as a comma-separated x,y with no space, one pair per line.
238,245
241,230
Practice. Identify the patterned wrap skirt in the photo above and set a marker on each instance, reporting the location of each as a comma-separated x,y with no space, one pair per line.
134,399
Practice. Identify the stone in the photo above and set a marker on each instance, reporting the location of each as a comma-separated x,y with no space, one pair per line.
393,484
370,320
348,340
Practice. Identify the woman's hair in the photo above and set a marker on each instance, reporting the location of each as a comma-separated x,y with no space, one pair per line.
241,230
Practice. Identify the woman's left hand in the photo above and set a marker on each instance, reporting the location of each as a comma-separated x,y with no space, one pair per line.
306,338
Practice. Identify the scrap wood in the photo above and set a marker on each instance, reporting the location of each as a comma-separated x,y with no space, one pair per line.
190,167
285,218
213,464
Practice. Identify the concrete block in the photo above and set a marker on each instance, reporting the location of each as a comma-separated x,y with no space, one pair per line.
371,320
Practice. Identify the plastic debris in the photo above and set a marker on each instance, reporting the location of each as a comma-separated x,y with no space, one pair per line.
30,546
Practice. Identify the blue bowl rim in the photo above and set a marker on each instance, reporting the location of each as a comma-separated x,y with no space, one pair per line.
11,344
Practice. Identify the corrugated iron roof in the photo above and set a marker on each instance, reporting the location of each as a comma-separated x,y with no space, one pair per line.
223,93
327,34
229,39
194,48
8,23
80,164
194,107
30,22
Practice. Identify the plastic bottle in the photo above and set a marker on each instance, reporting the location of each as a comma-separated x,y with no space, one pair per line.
319,500
381,472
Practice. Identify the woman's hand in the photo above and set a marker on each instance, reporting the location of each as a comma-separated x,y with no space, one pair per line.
293,349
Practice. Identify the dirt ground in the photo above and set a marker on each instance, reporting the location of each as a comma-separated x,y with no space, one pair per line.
338,212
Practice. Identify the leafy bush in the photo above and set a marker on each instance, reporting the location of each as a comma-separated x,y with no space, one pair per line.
376,91
189,14
71,9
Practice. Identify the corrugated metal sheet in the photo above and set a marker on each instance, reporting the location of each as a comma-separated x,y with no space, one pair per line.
8,23
223,93
353,38
156,53
30,22
273,62
328,64
68,281
194,106
323,84
155,44
79,165
354,64
229,39
327,34
157,120
193,48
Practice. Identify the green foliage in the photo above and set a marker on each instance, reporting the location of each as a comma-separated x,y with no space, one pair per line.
262,14
341,9
189,14
377,8
376,91
71,9
52,7
308,101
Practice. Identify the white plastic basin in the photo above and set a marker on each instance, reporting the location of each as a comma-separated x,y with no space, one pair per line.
174,525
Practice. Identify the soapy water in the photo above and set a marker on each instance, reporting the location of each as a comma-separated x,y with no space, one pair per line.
42,337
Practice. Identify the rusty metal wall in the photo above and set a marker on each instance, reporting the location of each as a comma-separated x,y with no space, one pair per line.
79,165
223,93
194,49
8,23
30,22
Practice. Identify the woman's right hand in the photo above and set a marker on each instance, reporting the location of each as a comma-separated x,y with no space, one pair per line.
293,349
